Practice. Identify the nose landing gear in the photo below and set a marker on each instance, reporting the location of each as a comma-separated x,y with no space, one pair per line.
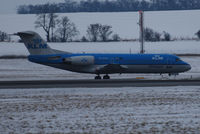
174,74
98,77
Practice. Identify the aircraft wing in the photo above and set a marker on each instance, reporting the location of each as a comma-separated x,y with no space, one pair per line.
112,68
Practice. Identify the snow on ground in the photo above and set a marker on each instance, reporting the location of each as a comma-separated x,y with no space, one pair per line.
177,23
100,110
173,47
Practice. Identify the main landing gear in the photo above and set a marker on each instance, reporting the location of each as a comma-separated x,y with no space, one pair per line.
98,77
106,77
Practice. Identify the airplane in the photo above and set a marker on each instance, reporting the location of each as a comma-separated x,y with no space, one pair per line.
99,64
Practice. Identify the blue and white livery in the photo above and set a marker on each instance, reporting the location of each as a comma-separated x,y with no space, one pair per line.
99,64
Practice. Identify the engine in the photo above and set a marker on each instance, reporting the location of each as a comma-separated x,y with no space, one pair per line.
79,60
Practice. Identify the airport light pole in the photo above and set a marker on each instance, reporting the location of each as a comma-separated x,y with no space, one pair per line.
141,24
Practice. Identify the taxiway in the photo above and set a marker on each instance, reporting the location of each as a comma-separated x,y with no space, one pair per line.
95,83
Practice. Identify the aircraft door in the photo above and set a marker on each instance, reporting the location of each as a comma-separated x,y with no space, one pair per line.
169,61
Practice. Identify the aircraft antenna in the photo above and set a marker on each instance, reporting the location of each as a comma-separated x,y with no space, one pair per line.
141,24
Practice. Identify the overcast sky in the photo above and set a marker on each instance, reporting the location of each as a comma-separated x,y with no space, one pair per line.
10,6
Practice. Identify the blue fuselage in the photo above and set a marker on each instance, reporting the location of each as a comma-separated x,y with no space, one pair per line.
114,63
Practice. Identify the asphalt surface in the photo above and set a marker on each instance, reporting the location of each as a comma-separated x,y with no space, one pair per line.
95,83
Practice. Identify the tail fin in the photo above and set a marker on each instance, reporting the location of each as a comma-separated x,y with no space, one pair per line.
34,43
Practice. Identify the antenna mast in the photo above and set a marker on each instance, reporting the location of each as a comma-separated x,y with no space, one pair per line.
141,24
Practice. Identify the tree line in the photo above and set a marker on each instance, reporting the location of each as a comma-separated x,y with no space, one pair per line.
64,30
109,6
151,35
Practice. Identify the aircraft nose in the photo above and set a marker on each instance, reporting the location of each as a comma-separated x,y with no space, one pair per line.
188,67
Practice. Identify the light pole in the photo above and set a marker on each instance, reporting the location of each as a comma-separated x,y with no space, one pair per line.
141,24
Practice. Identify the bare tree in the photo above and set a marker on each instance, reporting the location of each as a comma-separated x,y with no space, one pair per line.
93,31
167,36
42,21
115,37
151,35
105,31
84,39
157,36
66,29
47,22
53,21
4,36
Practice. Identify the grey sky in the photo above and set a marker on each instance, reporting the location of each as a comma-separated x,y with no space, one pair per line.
10,6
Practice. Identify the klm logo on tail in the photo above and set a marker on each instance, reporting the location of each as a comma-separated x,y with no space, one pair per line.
37,44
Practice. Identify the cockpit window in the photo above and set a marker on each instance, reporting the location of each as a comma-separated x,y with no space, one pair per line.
178,59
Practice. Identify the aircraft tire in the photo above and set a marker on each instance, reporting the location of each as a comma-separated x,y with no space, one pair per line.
106,77
97,77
